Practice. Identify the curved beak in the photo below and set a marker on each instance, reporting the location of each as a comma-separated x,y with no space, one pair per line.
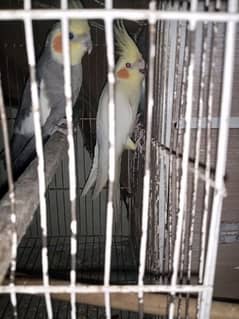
142,67
143,71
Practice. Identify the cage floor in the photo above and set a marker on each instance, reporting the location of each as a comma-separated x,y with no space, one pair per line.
90,269
90,259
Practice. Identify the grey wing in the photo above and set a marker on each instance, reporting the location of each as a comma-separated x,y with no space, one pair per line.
25,108
54,91
22,152
57,113
23,142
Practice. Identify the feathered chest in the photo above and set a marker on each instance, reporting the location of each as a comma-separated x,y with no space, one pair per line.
54,80
132,96
50,79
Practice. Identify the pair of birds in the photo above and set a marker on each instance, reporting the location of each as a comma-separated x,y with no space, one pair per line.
129,73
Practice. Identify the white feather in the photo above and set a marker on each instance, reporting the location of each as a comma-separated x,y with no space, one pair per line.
45,108
127,95
27,127
93,173
125,114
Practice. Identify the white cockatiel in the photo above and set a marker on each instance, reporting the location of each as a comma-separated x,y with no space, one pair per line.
129,74
50,78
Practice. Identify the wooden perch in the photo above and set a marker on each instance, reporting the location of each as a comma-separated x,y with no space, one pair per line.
154,304
27,198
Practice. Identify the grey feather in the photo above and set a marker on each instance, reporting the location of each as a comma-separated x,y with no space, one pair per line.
50,73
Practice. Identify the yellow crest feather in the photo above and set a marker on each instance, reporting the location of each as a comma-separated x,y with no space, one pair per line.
73,4
78,26
126,47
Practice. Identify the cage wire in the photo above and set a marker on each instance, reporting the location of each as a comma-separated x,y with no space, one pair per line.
172,186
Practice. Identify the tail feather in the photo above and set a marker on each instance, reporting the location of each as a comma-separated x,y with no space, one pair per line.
102,172
93,173
18,144
116,194
116,202
99,176
22,153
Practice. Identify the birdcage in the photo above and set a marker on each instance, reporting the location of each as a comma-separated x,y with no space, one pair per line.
61,254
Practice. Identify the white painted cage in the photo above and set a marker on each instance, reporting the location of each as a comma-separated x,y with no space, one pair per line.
160,260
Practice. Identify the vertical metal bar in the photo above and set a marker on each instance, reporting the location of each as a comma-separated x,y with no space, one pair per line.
202,93
39,151
180,96
146,183
186,150
205,305
173,28
180,113
163,216
108,5
159,228
165,76
175,140
203,47
218,4
11,193
71,153
172,82
208,156
159,100
207,187
111,168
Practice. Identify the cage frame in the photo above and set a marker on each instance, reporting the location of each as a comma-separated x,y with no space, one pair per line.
109,15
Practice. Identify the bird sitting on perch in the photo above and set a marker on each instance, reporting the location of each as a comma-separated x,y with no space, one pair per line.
50,78
129,74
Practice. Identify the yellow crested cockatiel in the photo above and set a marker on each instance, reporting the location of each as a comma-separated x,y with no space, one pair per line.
129,74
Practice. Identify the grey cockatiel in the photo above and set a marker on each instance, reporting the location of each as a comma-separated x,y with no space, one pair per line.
51,91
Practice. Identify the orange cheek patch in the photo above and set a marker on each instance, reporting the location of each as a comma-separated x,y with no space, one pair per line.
57,44
123,74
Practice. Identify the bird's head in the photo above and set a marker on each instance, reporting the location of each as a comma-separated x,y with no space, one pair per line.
130,66
79,41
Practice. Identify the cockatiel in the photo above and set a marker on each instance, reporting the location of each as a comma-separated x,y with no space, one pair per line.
50,79
129,74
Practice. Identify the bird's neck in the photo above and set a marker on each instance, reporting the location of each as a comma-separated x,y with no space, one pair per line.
132,90
131,87
133,82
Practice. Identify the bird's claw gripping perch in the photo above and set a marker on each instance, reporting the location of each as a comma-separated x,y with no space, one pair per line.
62,127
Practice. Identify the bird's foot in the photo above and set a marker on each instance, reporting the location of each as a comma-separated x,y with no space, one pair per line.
61,126
130,145
140,137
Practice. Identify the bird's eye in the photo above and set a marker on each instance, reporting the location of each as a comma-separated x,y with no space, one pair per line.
71,35
128,65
